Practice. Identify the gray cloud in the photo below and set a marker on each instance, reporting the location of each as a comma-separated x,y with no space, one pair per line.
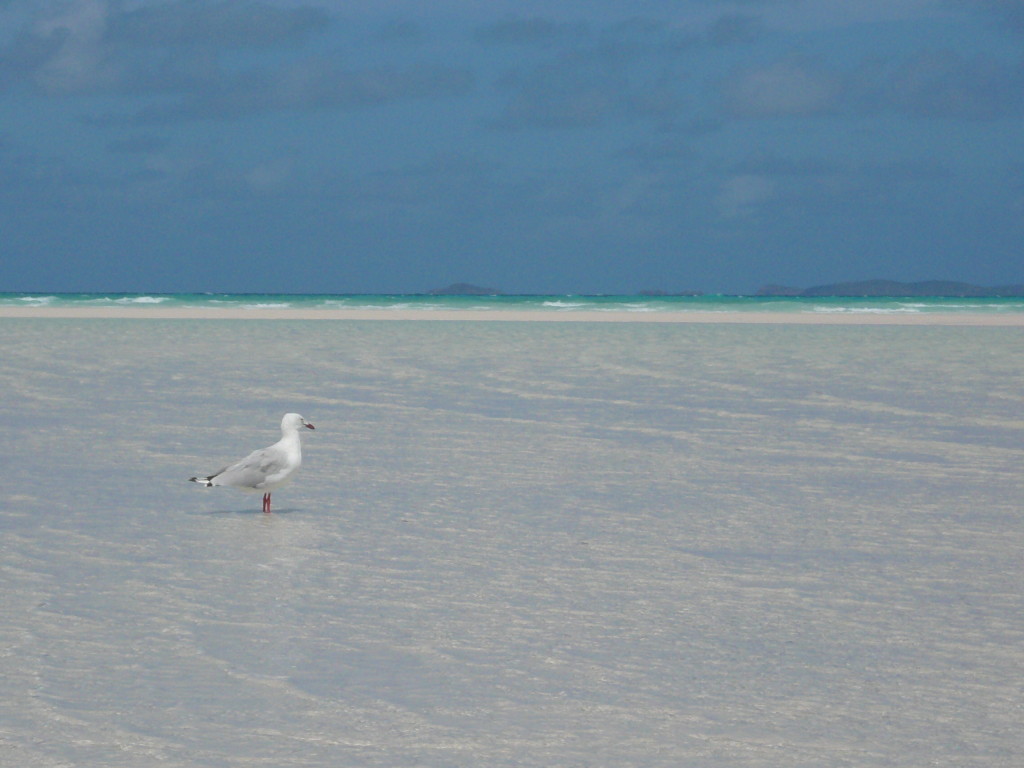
767,164
934,84
138,144
180,51
817,183
623,72
736,29
439,186
578,93
1007,14
222,24
309,85
403,32
632,70
534,30
93,46
792,86
63,50
26,54
938,84
944,84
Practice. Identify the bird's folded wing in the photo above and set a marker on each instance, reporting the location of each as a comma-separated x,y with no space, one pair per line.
253,470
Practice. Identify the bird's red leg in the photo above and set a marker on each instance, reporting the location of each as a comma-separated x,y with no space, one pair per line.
266,503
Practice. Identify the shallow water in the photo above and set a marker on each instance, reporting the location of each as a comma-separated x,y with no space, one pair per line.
529,544
385,305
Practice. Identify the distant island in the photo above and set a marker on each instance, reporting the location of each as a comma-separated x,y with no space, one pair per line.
892,288
863,288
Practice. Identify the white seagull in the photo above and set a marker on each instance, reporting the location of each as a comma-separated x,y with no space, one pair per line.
267,468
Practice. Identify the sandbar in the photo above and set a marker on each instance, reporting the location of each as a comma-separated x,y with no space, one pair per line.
1009,319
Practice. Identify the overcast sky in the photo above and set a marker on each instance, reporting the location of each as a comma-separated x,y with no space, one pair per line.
557,146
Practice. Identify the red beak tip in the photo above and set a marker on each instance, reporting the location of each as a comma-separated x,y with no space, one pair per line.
310,426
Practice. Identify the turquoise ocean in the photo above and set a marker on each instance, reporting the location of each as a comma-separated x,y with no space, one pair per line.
562,303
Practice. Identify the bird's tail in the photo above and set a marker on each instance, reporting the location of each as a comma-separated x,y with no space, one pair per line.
206,481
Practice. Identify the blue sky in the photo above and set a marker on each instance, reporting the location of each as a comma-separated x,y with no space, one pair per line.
592,147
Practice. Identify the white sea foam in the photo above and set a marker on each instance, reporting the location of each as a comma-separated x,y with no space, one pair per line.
428,307
866,310
562,304
141,300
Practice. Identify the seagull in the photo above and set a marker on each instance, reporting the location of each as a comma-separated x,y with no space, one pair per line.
267,468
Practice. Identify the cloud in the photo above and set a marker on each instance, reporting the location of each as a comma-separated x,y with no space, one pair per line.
440,186
74,57
98,46
788,87
785,185
575,94
205,60
938,84
623,72
775,167
1006,14
270,176
310,85
932,84
403,32
140,144
742,195
945,84
793,189
534,30
222,24
735,29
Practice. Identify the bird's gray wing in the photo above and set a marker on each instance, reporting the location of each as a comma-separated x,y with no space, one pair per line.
253,470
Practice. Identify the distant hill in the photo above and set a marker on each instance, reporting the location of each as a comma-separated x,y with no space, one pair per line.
464,289
892,288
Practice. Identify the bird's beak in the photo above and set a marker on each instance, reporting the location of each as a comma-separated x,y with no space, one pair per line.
307,425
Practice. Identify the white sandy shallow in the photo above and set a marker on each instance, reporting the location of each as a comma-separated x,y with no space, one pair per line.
513,545
1009,319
